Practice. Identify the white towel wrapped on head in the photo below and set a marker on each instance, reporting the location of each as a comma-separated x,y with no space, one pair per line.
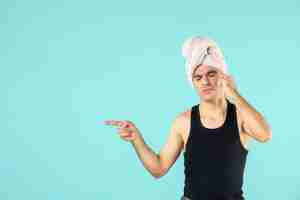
202,50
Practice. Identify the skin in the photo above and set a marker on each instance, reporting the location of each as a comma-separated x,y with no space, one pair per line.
213,112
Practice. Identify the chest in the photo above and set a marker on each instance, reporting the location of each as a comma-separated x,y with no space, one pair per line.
210,123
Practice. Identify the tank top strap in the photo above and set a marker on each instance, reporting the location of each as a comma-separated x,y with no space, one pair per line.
194,119
230,111
231,124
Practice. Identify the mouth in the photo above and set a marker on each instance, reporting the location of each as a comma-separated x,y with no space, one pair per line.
208,90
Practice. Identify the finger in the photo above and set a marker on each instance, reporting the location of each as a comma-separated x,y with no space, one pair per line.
125,135
117,123
220,71
126,124
224,75
110,122
221,74
125,129
226,78
223,80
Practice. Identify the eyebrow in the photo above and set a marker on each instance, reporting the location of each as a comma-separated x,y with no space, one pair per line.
197,75
210,71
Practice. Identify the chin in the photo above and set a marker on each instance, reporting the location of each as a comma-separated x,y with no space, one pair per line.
208,97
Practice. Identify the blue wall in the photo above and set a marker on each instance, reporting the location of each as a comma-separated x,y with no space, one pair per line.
66,66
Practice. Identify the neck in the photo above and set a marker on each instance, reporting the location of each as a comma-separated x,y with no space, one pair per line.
214,109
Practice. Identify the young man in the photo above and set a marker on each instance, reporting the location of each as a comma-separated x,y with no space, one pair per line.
212,134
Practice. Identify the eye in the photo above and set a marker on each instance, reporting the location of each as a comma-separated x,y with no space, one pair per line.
211,74
198,78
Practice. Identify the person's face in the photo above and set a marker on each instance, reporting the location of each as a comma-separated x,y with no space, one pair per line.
207,82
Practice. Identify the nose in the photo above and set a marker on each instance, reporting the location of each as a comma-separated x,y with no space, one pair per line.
205,80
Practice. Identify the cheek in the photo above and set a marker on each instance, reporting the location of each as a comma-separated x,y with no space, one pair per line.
218,81
215,82
217,85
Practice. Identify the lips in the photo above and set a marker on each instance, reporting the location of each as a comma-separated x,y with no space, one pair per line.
207,90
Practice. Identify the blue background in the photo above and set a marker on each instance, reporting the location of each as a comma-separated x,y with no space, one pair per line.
66,66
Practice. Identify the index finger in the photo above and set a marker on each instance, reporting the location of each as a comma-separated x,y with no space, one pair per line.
118,123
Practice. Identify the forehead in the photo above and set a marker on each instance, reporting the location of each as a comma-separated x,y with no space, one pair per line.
203,69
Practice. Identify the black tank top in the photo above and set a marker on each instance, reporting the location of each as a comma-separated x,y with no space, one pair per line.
214,159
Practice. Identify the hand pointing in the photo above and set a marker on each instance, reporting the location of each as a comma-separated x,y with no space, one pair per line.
126,129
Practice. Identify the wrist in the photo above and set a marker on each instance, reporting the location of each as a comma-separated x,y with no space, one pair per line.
138,139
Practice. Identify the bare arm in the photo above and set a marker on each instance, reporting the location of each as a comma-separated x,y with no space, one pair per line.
159,164
147,156
253,123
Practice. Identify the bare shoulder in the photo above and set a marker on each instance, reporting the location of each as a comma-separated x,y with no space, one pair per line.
183,118
182,122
